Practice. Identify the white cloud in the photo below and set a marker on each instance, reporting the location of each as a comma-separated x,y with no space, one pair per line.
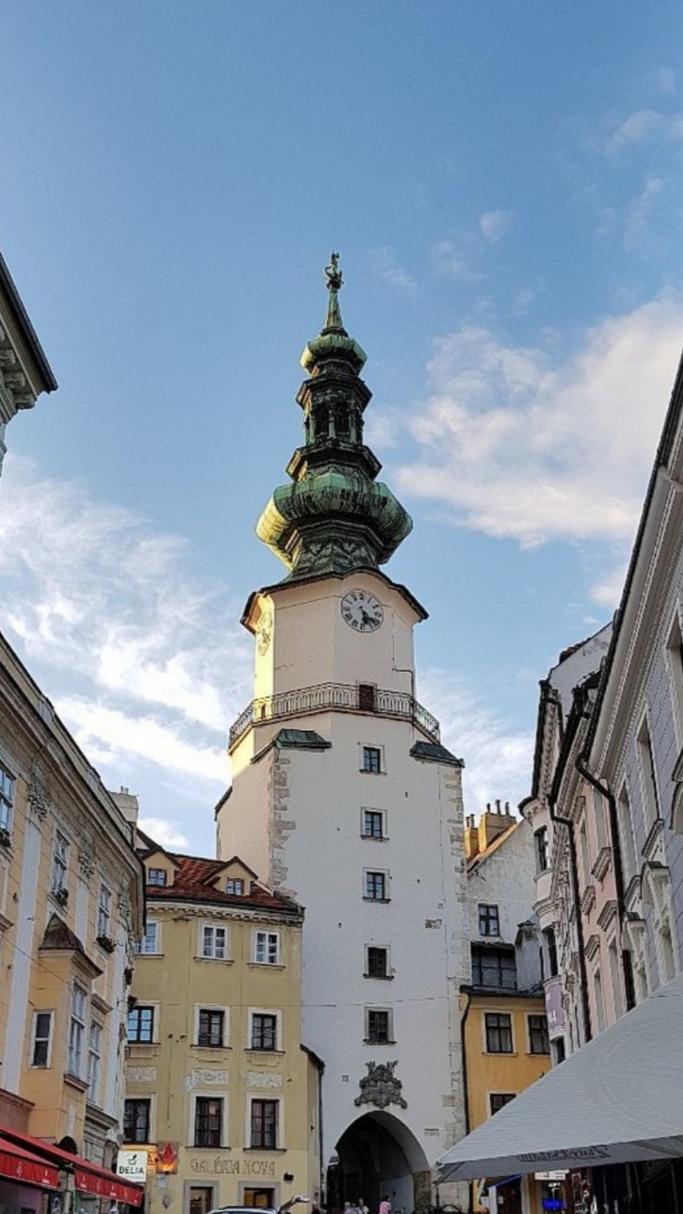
665,80
639,213
495,224
390,269
164,832
522,443
643,126
453,259
607,591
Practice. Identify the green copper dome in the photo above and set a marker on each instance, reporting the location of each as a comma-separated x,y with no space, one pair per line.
335,516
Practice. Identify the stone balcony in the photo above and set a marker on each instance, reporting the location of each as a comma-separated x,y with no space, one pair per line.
340,697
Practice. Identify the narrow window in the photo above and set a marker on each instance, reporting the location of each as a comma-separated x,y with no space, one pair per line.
104,913
42,1033
208,1121
367,697
376,886
214,942
615,978
372,759
136,1120
6,800
377,962
599,1003
666,953
79,1003
559,1051
625,832
211,1027
583,849
267,948
156,876
600,823
141,1024
94,1057
675,654
60,864
538,1035
263,1031
498,1032
648,776
378,1026
150,941
234,885
489,924
541,841
551,949
373,824
264,1124
498,1100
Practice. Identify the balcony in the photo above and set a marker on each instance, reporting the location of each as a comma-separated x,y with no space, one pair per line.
343,697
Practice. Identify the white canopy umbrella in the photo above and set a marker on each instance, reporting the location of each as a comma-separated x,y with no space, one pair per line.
618,1099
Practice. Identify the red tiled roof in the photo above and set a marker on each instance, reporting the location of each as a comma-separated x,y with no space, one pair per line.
193,881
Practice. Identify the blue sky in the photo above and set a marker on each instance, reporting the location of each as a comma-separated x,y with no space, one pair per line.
504,184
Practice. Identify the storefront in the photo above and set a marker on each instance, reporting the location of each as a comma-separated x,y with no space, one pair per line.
37,1177
25,1179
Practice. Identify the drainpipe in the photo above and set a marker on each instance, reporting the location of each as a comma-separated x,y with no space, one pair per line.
585,1005
466,1095
585,771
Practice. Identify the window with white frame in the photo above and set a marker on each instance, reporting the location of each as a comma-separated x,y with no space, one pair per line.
104,913
140,1028
94,1060
541,846
372,760
373,824
208,1121
211,1027
156,876
615,977
234,885
601,837
648,776
583,851
150,941
213,942
263,1032
378,1025
625,833
60,864
599,1002
264,1124
674,647
41,1044
79,1008
376,886
489,919
267,948
6,799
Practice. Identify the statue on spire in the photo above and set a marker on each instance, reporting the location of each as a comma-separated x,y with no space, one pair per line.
335,279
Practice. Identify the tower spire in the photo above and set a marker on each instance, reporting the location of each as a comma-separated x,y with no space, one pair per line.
335,516
333,320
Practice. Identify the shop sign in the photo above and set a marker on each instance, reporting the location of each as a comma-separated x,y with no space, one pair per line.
132,1166
549,1175
219,1165
164,1159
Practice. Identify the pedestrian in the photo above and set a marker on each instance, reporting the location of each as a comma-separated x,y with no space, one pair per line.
385,1205
362,1206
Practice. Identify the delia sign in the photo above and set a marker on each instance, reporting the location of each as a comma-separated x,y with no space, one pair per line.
132,1165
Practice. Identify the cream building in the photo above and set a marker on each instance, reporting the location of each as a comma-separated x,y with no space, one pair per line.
344,799
71,897
219,1090
24,370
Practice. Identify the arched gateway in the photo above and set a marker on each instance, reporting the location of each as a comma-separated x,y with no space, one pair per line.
378,1154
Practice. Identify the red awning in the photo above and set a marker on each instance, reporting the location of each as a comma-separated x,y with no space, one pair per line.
30,1169
88,1177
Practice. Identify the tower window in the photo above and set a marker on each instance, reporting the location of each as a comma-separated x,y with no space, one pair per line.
378,1026
494,967
376,887
372,759
367,697
489,923
377,962
541,841
373,824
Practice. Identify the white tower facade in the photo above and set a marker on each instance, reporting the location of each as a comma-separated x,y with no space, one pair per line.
344,798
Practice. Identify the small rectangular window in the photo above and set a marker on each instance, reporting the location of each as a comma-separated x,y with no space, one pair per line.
376,886
498,1032
156,876
559,1050
79,1004
367,697
494,967
675,653
94,1059
6,799
489,924
104,913
42,1034
214,942
378,1026
60,864
498,1100
136,1120
625,834
377,962
551,949
263,1031
648,774
267,948
234,885
373,824
141,1024
372,759
211,1027
264,1124
150,941
541,843
538,1035
208,1121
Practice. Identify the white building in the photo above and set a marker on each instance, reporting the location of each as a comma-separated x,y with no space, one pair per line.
344,798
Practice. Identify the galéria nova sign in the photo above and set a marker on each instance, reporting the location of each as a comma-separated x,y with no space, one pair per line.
220,1165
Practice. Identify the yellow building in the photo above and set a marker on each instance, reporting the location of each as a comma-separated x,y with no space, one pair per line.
219,1087
503,1015
71,898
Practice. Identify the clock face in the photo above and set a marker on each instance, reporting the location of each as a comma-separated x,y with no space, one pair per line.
362,611
264,632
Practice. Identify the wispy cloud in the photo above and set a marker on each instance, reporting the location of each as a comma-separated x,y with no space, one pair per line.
495,224
643,126
388,267
639,214
524,443
165,832
665,80
456,258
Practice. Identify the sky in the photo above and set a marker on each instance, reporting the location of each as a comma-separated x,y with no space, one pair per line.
504,184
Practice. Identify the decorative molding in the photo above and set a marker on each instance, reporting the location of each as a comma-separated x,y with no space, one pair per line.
205,1077
381,1086
263,1079
592,947
38,803
607,914
602,863
141,1074
587,899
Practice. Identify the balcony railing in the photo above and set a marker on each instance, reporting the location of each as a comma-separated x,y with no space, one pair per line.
344,696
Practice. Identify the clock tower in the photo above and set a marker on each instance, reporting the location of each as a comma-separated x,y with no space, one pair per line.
344,797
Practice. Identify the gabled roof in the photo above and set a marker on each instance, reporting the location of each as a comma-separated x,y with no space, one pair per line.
58,937
192,882
494,846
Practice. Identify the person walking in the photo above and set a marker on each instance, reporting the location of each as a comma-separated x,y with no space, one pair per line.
385,1205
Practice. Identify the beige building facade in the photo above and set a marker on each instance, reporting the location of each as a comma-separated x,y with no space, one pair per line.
219,1090
24,370
71,898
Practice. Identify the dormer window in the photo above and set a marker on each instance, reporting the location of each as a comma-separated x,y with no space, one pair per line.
156,876
234,885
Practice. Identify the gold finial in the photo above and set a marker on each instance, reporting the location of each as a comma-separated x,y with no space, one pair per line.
334,282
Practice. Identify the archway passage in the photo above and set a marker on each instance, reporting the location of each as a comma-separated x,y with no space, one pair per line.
379,1155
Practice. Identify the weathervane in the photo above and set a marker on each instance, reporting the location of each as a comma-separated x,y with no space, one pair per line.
334,282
